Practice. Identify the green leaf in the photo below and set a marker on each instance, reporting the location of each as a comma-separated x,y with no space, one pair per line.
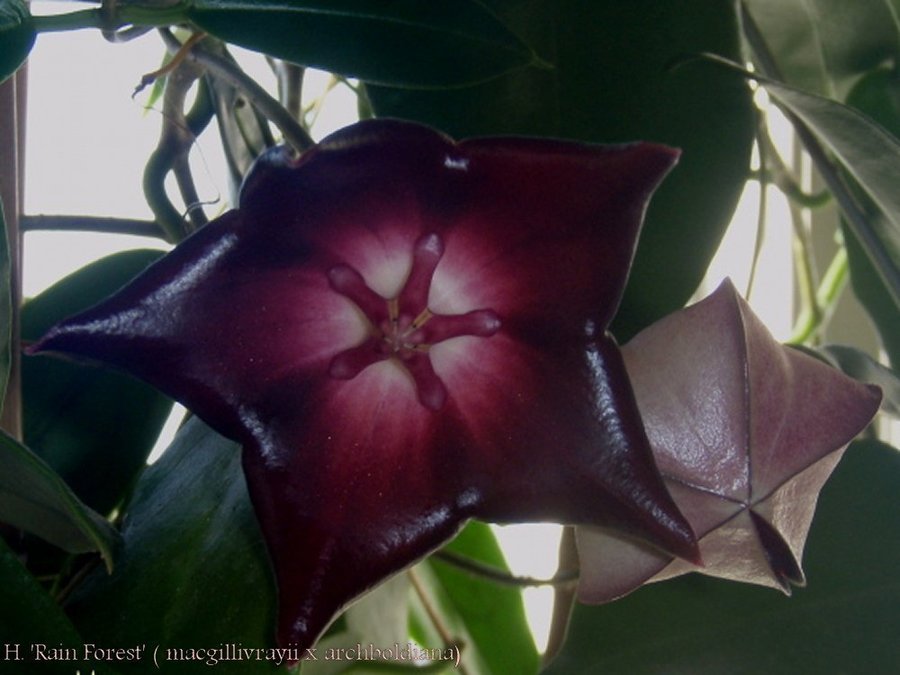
193,572
863,367
29,616
871,155
612,82
377,619
403,42
823,46
5,308
34,498
16,35
877,94
871,290
488,619
80,417
844,621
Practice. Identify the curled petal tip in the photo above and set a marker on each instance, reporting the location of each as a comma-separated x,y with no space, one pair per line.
658,159
876,395
668,155
784,565
693,554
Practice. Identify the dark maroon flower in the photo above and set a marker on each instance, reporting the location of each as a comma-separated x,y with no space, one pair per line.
745,431
405,333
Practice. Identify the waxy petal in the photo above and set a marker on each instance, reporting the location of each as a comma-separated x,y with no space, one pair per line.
745,431
405,333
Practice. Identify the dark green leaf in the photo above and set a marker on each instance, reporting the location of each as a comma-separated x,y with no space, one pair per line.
871,290
403,42
193,572
863,367
822,46
870,154
5,308
29,616
611,82
877,94
843,622
488,619
16,35
81,417
35,499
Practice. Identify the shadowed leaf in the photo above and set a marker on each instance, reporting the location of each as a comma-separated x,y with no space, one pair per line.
35,499
16,35
403,42
193,572
32,620
79,417
823,46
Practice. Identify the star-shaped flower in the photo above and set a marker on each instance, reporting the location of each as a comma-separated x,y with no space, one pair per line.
404,333
745,431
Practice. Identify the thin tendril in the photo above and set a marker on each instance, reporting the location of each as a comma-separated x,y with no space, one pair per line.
491,573
222,68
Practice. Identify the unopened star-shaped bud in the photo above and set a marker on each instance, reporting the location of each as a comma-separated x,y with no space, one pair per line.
404,333
745,431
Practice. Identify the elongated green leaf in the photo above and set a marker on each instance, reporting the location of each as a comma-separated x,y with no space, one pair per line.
877,94
34,498
80,417
193,571
844,621
868,151
611,82
402,43
870,288
16,35
488,619
871,155
29,618
5,308
823,46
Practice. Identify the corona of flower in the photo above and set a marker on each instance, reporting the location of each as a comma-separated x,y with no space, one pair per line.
404,333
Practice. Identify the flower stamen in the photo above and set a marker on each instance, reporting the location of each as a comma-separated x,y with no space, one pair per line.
422,319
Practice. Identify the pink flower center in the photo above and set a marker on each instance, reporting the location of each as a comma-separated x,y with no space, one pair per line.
403,328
